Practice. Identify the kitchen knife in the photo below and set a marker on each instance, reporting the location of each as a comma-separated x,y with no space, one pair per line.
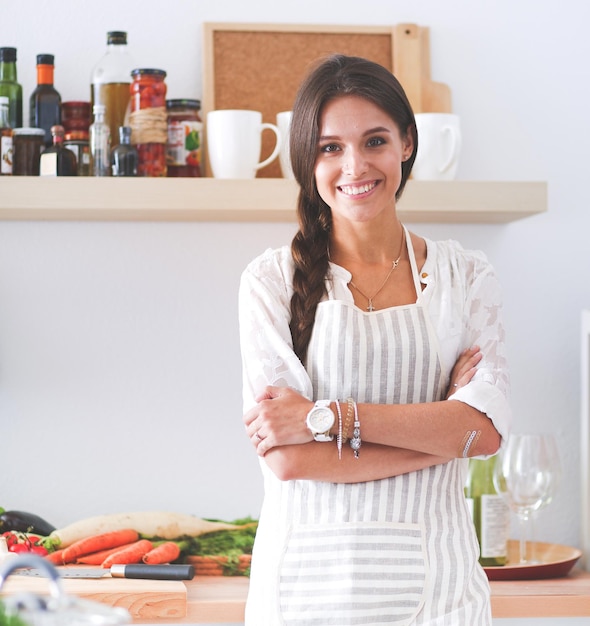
139,570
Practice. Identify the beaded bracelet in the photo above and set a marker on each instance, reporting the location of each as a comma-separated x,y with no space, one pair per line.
348,421
339,436
355,442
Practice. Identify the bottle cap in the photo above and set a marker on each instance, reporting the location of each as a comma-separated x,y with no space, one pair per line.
45,59
117,37
8,55
150,71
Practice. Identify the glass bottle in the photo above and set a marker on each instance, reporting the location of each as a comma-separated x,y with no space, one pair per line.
57,160
491,515
5,139
10,87
110,80
124,156
45,102
99,136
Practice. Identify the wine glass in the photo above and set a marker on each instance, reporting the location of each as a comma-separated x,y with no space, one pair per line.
526,475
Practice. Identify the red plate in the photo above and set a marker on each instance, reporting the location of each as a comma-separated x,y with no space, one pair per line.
552,561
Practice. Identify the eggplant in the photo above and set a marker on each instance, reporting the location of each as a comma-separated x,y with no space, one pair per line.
25,523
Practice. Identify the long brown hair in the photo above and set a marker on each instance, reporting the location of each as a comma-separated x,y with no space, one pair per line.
336,76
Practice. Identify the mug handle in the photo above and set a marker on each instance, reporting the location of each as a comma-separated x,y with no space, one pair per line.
275,152
454,148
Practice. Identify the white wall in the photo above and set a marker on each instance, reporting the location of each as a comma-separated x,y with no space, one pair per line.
119,360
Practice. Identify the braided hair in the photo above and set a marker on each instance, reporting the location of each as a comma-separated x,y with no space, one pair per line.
336,76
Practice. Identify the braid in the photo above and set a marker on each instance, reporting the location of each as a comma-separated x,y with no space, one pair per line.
309,249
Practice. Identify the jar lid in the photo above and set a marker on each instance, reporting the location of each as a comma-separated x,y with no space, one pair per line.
184,102
150,71
45,59
34,132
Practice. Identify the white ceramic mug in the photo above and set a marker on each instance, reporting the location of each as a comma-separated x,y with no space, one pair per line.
234,140
284,124
439,146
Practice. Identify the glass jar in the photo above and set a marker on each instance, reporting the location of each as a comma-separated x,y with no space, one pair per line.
149,129
185,134
75,115
27,145
77,142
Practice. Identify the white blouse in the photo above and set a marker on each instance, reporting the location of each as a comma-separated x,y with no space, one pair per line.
461,293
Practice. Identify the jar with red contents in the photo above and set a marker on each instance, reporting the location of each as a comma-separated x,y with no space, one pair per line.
148,121
185,131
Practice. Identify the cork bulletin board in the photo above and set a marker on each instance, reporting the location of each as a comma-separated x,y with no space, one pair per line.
260,66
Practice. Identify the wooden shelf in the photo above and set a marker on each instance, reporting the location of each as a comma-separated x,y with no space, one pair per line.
258,200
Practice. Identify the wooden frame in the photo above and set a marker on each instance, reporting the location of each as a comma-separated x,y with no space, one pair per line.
585,437
260,66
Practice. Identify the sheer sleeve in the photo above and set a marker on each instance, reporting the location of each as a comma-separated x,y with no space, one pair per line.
265,338
482,325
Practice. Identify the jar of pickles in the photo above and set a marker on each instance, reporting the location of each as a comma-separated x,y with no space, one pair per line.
185,130
149,129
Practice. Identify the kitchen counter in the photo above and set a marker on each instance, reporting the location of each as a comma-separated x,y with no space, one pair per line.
218,599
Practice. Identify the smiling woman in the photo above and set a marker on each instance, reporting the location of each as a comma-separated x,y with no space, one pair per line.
398,342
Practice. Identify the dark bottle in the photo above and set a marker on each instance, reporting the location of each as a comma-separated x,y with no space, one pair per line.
57,160
5,139
124,155
45,103
9,86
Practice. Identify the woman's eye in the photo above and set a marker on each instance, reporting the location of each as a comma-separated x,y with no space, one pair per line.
330,147
376,141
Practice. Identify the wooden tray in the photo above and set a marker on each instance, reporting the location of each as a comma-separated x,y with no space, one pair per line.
554,561
260,66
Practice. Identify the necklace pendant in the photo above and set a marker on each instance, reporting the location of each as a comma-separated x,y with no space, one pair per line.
370,307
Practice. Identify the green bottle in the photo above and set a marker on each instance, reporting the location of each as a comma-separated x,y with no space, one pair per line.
491,515
9,86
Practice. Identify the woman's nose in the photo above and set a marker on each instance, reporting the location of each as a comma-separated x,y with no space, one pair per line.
355,163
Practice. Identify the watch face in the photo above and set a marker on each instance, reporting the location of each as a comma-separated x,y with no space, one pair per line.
321,419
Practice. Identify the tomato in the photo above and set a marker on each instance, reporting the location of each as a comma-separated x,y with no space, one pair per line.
18,548
39,550
10,537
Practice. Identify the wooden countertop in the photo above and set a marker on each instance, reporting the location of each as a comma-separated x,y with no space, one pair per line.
218,599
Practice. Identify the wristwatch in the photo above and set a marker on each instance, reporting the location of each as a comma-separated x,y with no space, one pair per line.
320,419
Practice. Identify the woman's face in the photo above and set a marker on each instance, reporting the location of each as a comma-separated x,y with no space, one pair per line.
358,165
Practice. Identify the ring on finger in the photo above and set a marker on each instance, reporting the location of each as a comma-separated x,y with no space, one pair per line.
257,436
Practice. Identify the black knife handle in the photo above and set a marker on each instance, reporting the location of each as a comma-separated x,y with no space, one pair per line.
154,572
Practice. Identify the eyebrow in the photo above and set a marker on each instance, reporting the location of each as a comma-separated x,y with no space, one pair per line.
371,131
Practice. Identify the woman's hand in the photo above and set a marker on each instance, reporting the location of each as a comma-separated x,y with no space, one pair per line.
464,369
278,419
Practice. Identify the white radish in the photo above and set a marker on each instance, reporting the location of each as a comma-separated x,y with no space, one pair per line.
163,524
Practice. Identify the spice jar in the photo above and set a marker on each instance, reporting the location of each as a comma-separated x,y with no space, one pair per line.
77,142
75,115
185,132
149,130
27,145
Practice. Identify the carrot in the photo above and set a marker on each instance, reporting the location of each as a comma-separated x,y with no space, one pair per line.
164,553
96,558
94,543
56,557
132,554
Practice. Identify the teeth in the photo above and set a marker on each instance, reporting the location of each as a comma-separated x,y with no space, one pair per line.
353,191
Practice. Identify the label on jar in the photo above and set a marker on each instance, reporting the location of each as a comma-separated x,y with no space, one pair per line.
184,143
6,155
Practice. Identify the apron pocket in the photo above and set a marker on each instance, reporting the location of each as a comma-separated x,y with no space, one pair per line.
352,573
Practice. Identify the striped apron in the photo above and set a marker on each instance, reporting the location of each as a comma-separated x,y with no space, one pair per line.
400,550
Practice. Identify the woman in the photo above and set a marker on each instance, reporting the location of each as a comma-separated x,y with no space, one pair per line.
400,340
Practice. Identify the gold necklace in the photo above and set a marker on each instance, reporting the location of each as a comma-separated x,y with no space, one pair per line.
395,263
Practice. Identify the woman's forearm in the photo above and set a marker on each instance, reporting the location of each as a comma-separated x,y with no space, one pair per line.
319,461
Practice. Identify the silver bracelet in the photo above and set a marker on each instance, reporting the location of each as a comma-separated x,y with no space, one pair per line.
355,441
339,436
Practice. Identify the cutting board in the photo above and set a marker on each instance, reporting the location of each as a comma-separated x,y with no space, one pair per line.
144,599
